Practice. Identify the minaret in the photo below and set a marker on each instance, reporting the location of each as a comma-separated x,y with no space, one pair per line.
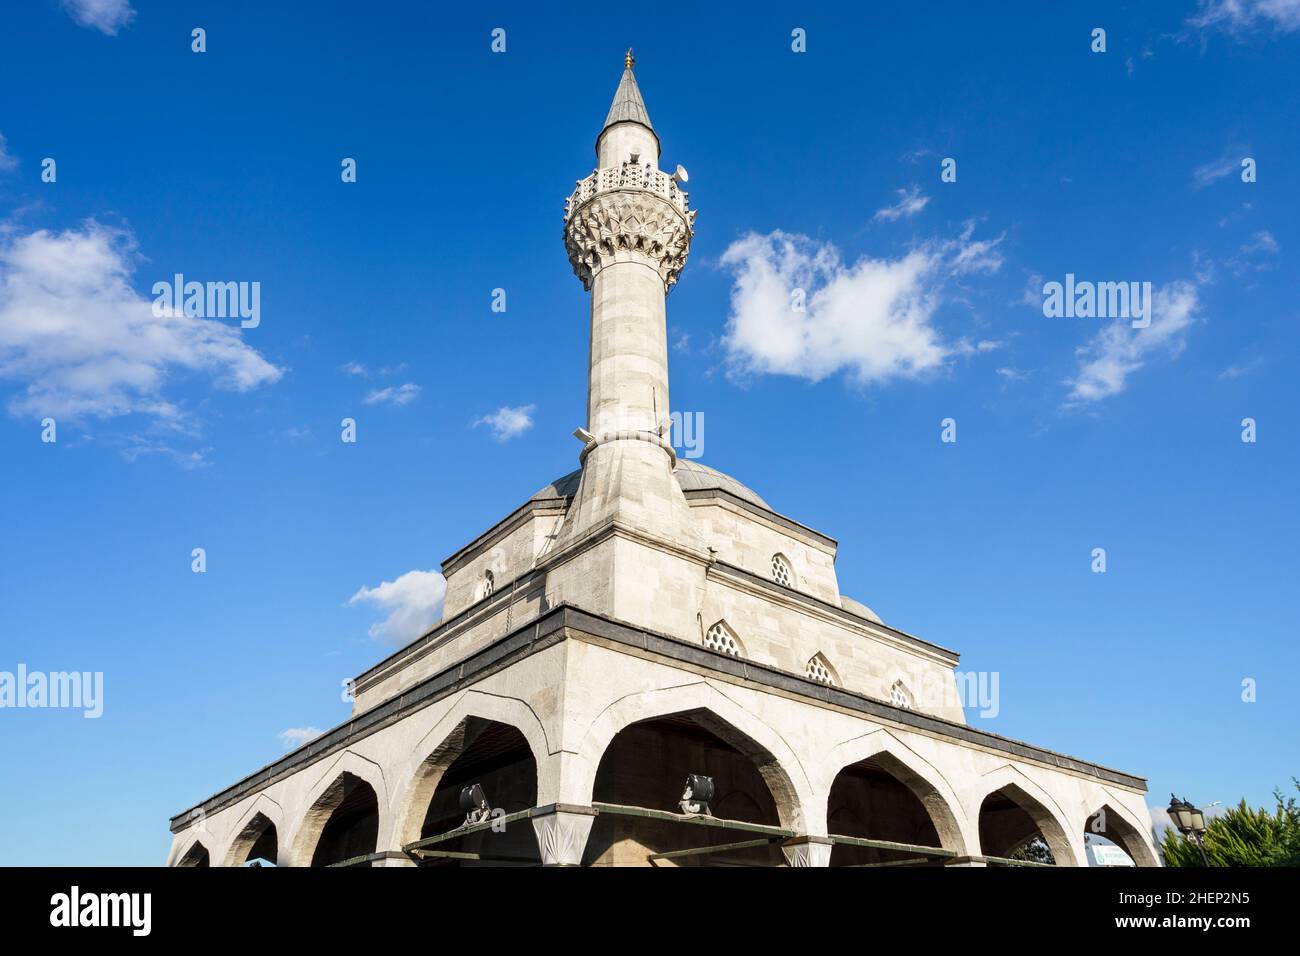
627,230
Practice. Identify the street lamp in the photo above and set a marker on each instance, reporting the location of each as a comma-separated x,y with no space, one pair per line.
1190,821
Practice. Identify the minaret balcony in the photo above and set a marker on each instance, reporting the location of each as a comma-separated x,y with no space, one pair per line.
642,176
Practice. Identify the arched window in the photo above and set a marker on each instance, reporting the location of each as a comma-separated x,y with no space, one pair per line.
489,583
782,573
720,637
900,696
819,670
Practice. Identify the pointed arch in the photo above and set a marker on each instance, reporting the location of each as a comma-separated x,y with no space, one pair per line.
446,740
264,816
328,793
1043,810
257,838
1110,819
883,749
195,855
246,830
775,760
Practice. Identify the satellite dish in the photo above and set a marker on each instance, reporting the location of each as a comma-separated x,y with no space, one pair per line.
680,175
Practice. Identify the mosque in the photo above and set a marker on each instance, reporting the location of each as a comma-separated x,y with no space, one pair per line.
647,664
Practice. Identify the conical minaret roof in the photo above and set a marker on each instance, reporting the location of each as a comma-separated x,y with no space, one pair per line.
628,107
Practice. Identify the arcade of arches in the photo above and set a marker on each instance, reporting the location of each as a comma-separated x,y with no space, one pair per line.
879,811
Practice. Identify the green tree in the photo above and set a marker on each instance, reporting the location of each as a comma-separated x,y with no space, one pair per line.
1035,851
1243,837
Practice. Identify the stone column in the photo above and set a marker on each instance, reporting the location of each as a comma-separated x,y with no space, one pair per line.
394,858
562,831
807,851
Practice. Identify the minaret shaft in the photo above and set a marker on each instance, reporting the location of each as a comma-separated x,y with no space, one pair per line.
628,376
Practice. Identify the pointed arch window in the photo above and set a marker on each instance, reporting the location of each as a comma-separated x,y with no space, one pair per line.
900,696
782,572
722,638
819,669
489,583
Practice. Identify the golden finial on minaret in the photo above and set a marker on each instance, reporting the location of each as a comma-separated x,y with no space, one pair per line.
628,59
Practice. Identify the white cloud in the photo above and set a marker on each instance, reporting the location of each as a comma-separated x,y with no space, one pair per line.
295,737
8,161
1240,369
974,256
1033,294
910,202
1241,16
134,447
365,371
1203,267
1119,350
413,603
873,319
1225,165
107,16
1130,64
393,395
508,421
1255,256
1241,212
86,345
966,347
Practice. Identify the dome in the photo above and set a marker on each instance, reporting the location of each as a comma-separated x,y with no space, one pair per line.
690,475
860,609
693,476
565,487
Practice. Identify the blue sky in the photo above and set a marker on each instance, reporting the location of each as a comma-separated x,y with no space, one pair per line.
818,169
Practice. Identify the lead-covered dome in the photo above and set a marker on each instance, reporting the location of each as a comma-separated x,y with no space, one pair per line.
858,608
690,475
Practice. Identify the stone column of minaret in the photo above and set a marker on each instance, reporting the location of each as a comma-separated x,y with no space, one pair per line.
627,230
